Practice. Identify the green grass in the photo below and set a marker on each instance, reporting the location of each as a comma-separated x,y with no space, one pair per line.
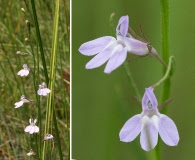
37,53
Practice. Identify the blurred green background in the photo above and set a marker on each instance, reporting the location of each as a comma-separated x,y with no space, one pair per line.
102,103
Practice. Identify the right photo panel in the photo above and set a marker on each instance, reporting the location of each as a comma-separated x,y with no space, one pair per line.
133,80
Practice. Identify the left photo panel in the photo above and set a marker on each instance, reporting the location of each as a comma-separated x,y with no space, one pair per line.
35,79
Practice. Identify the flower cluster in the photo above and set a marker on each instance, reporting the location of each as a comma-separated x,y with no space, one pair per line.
42,91
114,51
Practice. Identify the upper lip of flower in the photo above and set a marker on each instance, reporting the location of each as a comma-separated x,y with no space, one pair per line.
25,67
123,25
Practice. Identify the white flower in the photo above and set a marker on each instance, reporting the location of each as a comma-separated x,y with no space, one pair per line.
32,128
31,153
48,137
20,103
42,90
24,71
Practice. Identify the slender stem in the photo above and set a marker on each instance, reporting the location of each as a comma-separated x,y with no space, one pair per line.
57,137
168,73
164,4
165,45
131,80
36,82
151,155
50,102
39,41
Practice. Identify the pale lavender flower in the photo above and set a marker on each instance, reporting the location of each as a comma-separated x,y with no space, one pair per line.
24,71
21,102
48,137
150,122
32,128
113,50
43,91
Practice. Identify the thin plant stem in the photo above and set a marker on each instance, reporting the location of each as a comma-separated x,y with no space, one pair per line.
43,62
151,155
50,102
168,72
35,82
165,46
39,41
57,133
164,5
65,106
131,80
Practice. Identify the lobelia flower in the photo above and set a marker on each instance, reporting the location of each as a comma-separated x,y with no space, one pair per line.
48,137
20,103
150,122
42,90
24,71
32,128
114,50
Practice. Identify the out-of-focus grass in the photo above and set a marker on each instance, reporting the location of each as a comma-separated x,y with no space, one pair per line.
14,142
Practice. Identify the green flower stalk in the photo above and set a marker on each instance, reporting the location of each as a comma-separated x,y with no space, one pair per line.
50,103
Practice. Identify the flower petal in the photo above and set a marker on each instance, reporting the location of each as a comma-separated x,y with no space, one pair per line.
18,104
123,23
145,102
25,100
95,46
116,60
44,93
39,92
135,46
47,90
131,129
21,72
28,128
36,129
26,72
35,121
102,57
168,131
32,130
152,98
149,134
